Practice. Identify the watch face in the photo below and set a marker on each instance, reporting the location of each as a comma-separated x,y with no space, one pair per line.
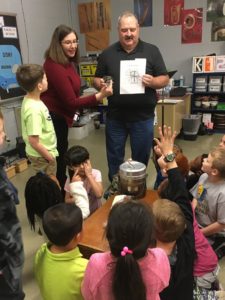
170,157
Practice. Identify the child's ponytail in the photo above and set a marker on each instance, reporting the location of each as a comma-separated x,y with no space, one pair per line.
127,279
129,232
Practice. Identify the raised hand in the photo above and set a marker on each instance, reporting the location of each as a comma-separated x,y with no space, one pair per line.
166,141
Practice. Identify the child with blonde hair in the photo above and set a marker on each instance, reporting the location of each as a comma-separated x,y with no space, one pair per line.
209,199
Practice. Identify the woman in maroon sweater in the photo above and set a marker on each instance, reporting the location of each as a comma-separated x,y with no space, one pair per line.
63,95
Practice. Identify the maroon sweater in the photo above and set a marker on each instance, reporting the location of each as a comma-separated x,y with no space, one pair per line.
62,96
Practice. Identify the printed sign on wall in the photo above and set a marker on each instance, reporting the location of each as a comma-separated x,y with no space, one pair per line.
204,64
10,57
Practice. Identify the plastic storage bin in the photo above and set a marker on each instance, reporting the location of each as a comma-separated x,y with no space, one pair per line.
191,124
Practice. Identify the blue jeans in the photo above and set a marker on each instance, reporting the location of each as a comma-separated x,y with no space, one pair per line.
141,136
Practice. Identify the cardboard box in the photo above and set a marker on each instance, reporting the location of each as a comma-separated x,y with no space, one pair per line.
21,165
10,171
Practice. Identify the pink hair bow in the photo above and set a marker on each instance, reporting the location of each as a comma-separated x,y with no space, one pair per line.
126,251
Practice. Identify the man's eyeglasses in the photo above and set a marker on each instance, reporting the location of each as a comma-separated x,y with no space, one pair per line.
70,43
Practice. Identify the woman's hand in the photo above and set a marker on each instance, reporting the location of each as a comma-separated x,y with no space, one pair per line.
106,90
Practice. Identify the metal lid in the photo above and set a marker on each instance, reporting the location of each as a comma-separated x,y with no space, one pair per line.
132,168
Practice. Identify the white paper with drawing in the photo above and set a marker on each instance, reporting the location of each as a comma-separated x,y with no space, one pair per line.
131,72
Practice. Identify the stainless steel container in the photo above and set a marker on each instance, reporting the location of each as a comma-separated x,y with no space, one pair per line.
132,178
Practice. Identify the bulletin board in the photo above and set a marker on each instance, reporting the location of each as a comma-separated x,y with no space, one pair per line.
10,57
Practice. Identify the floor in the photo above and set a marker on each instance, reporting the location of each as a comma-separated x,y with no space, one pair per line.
95,143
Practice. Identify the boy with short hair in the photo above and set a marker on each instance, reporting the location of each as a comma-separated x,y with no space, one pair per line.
11,246
59,266
37,127
209,199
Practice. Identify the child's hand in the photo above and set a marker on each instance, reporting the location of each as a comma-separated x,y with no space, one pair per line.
76,176
87,168
166,140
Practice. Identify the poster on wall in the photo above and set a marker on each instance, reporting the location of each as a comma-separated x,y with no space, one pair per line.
218,31
143,11
10,57
97,40
94,16
172,12
215,10
191,26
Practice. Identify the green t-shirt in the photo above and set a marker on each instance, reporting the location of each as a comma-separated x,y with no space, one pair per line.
36,120
59,276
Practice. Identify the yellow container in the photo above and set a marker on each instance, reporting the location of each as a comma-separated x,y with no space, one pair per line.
10,171
21,165
85,70
93,69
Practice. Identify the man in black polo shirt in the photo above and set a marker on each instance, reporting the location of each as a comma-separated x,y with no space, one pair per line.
130,113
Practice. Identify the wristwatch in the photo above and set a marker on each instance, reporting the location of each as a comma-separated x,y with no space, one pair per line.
169,157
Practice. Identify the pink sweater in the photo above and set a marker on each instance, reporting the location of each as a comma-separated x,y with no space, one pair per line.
97,284
206,260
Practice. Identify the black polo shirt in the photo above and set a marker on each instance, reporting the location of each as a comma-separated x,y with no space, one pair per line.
130,107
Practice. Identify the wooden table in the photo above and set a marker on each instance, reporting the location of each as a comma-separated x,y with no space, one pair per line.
93,239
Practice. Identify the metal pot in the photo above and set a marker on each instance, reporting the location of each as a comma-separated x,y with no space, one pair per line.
132,178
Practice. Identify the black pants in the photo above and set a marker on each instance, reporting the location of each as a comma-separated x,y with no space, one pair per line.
61,130
6,292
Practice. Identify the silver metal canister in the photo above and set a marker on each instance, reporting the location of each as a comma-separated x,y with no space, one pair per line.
132,178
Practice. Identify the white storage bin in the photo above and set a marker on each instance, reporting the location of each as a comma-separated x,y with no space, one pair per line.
214,88
201,80
78,133
91,125
201,88
215,80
